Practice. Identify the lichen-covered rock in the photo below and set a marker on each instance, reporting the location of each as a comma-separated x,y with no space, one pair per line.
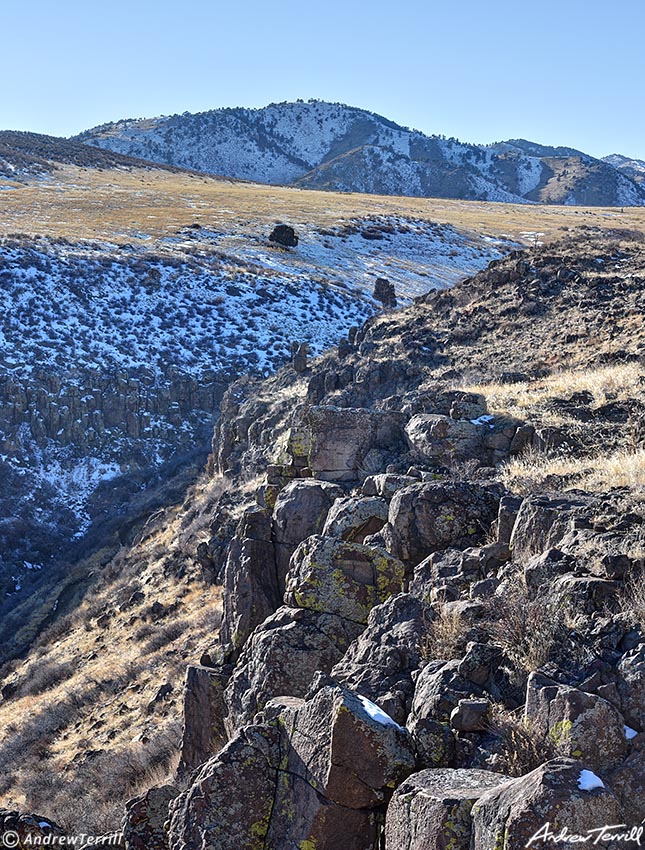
336,441
146,816
438,689
204,709
542,522
347,579
380,662
251,587
353,519
300,511
563,793
431,809
442,439
348,748
229,802
583,725
627,781
630,685
317,775
429,516
282,656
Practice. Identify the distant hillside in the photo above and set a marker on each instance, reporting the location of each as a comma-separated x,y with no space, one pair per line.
332,146
31,154
632,168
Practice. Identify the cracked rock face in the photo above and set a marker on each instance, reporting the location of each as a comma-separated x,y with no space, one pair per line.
315,776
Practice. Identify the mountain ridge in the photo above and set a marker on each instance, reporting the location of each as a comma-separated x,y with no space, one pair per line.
322,145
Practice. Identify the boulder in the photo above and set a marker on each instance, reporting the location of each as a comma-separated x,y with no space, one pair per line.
380,662
562,794
470,715
542,522
583,725
353,519
229,802
431,809
251,587
282,656
443,440
317,775
348,748
285,235
627,781
204,709
384,292
385,484
347,579
346,443
300,511
146,816
426,517
438,690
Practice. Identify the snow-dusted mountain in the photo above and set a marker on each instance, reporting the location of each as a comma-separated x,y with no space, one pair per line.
632,168
332,146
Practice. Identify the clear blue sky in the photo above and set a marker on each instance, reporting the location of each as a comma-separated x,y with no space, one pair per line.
568,72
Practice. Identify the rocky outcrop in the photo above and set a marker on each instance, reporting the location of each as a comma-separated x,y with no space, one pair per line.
145,824
316,776
345,579
203,733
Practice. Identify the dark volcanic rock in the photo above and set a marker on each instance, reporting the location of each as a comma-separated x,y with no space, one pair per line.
285,235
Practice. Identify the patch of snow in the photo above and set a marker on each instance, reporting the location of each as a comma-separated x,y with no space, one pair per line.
630,733
485,419
377,713
588,781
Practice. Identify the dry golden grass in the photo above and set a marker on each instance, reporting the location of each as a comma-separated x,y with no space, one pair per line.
136,205
80,721
607,383
533,470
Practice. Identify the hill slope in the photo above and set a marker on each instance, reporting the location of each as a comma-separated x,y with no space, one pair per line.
24,155
333,146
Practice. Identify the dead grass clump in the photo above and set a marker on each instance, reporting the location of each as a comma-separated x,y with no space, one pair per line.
631,600
445,635
619,382
536,470
519,749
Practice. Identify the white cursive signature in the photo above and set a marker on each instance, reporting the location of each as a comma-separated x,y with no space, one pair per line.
599,835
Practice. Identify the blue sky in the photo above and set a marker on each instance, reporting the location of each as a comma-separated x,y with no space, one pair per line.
568,72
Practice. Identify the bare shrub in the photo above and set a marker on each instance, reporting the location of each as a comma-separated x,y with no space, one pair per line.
527,627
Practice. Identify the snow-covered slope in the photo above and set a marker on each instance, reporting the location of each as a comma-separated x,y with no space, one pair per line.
333,146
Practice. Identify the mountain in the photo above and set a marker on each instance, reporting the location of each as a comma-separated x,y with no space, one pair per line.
633,168
336,147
